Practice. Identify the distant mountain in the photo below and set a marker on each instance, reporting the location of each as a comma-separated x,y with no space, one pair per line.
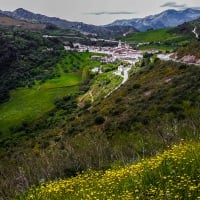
10,21
64,24
168,18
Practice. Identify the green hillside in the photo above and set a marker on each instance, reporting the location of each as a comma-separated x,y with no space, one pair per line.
173,174
159,35
157,107
161,39
187,28
62,136
26,56
26,105
190,49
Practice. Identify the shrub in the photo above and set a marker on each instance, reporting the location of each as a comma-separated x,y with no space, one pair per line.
99,120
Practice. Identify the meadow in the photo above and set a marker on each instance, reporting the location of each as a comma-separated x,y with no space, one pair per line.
173,174
28,104
161,39
159,35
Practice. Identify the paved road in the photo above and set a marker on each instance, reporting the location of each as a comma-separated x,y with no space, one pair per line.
125,78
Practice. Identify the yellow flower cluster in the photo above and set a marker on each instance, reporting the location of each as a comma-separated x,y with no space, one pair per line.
173,174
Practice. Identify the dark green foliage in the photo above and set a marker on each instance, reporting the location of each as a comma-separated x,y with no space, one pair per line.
191,49
66,103
99,120
26,56
187,28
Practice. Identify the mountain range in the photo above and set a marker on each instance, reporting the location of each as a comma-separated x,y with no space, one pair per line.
10,21
168,18
23,14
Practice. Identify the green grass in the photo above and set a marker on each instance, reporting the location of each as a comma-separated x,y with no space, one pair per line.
161,39
102,85
62,81
173,174
29,104
159,35
76,61
26,105
156,47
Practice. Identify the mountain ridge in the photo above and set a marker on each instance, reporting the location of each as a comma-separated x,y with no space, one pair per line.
167,18
23,14
10,21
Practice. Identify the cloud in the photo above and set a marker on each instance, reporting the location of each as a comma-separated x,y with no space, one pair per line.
197,8
173,4
111,13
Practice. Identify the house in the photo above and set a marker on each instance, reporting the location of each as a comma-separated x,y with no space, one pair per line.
97,70
67,48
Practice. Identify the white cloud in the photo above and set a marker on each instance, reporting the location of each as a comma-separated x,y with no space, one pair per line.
172,4
111,13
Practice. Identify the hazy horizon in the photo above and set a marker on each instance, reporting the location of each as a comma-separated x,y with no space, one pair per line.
98,12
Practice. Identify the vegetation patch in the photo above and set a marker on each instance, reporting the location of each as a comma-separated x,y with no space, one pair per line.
102,85
161,39
173,174
26,56
159,35
29,104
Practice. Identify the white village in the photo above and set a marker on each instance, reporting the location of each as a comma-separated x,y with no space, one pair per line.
122,52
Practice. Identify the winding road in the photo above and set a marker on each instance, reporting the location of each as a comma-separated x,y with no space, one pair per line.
125,78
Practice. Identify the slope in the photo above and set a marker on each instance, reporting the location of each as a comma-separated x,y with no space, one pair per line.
9,21
26,56
157,107
188,28
160,39
173,174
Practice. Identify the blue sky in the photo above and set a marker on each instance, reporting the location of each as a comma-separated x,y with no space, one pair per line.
98,12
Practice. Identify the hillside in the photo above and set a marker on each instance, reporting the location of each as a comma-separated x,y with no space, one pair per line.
168,18
9,21
173,174
26,56
158,106
191,50
187,28
47,29
170,39
48,95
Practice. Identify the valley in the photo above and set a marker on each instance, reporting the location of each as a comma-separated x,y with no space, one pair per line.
104,113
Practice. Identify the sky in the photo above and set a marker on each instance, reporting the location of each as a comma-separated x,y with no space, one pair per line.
98,12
